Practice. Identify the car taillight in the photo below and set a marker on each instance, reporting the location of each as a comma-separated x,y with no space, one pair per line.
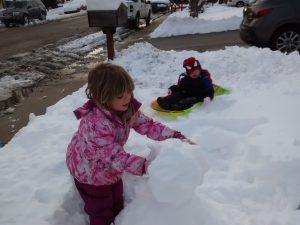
251,14
248,13
262,12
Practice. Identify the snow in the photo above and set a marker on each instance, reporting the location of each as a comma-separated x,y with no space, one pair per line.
74,6
104,4
243,169
214,19
68,7
165,1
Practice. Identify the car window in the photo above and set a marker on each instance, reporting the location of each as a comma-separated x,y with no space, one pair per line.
35,4
39,3
18,4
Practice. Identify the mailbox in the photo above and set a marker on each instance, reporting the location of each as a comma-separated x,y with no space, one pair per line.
105,13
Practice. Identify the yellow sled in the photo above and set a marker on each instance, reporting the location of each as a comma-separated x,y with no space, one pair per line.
163,112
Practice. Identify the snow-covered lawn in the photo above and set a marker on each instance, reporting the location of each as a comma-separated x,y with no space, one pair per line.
69,7
58,13
214,19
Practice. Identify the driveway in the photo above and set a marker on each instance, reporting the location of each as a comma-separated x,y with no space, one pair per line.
202,42
21,39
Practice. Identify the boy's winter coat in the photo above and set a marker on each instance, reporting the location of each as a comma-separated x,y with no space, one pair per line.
200,87
96,154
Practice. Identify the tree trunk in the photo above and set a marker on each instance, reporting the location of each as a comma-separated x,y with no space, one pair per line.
194,8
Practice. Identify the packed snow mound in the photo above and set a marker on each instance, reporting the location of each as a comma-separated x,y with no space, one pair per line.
176,172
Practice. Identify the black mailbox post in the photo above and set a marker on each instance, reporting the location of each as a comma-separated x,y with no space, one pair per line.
108,15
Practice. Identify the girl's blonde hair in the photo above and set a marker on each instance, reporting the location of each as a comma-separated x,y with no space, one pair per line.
108,81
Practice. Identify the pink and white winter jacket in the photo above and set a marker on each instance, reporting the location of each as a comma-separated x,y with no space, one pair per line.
96,154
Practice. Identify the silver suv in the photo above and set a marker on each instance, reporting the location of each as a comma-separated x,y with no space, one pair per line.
272,23
20,12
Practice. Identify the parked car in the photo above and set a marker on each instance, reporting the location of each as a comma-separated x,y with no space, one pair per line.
7,3
272,23
21,12
160,5
238,3
50,4
137,10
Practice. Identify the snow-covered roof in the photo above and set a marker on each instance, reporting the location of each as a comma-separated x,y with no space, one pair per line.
103,4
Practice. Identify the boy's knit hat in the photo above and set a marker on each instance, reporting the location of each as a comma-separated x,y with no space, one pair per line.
191,64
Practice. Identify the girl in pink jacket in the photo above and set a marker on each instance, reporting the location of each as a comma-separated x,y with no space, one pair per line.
96,157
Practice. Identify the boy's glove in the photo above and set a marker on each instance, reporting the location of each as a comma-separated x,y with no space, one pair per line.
175,88
207,100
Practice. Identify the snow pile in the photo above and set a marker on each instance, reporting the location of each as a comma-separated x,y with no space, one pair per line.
187,173
68,9
214,19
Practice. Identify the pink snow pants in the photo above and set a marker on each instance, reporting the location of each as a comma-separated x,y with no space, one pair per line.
101,203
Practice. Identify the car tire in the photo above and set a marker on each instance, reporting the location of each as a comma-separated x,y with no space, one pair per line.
43,16
148,19
6,24
25,20
240,4
202,9
286,40
137,21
